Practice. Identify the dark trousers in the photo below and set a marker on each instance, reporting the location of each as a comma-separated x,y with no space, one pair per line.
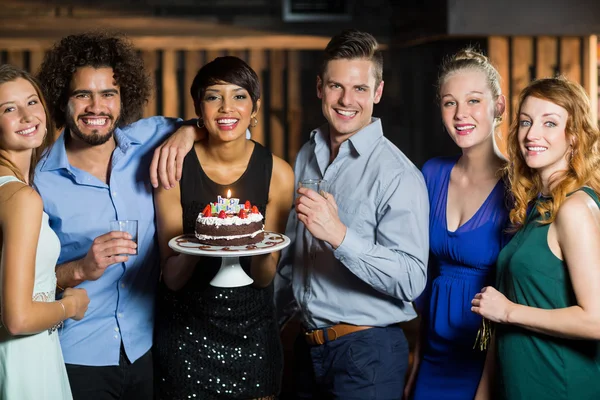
127,381
364,365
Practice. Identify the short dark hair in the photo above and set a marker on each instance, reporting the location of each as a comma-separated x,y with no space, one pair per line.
96,50
227,69
353,44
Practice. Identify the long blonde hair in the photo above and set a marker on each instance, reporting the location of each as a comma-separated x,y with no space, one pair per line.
581,129
10,73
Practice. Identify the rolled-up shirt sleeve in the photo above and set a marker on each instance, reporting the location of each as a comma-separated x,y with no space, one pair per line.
396,263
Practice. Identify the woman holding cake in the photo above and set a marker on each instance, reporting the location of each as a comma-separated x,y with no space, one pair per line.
31,361
221,342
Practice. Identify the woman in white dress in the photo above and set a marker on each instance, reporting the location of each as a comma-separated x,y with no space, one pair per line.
31,362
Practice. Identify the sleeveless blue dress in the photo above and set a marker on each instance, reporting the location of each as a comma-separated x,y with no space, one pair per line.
461,263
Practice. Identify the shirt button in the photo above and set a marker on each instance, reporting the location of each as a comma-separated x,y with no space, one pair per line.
120,315
114,193
116,336
117,329
122,285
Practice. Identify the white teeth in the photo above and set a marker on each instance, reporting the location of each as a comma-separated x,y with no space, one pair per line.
538,149
346,113
94,121
227,121
465,128
26,131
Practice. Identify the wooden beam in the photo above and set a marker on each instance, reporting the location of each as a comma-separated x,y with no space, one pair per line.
193,62
257,63
570,58
498,51
170,92
546,57
590,70
280,42
276,112
151,65
294,109
522,60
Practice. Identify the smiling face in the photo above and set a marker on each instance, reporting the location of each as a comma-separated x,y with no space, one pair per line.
94,105
347,91
468,108
227,110
542,137
22,116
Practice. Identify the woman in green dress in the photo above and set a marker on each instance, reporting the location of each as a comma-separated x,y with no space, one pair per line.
547,303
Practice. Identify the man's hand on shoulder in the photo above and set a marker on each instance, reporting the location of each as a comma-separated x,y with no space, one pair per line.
319,213
167,162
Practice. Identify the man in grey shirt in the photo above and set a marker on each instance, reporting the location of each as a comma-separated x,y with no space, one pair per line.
359,249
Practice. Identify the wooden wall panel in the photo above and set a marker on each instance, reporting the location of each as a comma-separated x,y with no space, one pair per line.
193,62
257,61
570,58
151,64
522,60
170,91
35,60
242,54
294,108
499,54
212,54
546,62
276,100
590,70
16,58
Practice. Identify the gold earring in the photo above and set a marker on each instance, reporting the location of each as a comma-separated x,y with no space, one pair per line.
198,123
253,122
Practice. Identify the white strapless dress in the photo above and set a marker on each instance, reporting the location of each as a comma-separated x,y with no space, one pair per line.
32,366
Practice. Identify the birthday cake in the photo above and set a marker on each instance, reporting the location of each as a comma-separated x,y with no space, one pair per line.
228,223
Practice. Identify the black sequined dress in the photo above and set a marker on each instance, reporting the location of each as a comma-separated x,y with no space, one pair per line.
217,343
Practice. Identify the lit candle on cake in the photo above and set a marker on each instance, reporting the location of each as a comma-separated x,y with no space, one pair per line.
229,204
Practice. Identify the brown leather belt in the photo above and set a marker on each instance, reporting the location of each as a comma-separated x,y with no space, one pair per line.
317,337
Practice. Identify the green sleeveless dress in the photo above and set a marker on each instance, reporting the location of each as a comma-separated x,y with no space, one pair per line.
533,365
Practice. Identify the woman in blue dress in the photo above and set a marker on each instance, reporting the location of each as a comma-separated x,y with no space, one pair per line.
468,214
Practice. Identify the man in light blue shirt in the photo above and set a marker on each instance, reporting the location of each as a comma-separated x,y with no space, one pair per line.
97,171
359,249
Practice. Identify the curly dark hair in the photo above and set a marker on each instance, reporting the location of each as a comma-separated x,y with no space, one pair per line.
97,50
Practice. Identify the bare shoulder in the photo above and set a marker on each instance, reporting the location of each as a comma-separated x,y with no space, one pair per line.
16,196
577,210
282,172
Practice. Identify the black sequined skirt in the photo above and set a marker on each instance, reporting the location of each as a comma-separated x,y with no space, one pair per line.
216,343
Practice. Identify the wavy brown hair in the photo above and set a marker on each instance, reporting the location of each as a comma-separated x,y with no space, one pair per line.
10,73
581,129
96,50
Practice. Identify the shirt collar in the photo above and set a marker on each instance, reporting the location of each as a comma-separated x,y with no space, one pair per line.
362,141
56,157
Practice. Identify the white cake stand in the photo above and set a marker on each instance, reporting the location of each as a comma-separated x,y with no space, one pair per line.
231,273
